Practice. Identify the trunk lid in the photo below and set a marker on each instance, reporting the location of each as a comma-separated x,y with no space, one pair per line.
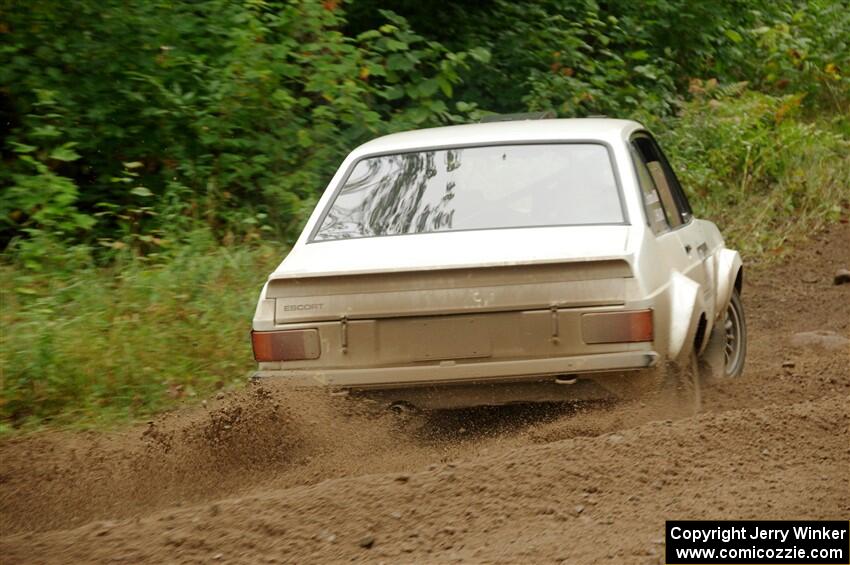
460,249
452,273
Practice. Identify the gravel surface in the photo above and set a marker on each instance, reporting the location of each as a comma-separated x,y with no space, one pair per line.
266,476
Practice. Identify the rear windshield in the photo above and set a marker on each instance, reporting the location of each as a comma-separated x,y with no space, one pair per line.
475,188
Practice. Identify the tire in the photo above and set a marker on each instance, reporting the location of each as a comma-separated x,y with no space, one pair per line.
726,352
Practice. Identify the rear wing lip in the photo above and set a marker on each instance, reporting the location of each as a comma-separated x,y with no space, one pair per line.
304,275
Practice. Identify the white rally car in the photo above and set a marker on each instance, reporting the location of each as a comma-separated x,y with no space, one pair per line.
525,260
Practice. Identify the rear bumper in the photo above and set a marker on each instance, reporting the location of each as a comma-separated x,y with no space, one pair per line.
451,372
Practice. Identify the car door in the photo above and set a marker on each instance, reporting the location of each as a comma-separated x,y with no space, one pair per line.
669,212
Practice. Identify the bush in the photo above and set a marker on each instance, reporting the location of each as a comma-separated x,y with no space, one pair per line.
227,110
750,164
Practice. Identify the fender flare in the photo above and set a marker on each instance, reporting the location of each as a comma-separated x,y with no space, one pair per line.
728,264
686,307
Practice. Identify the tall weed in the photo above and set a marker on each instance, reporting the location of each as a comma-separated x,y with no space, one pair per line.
754,167
99,343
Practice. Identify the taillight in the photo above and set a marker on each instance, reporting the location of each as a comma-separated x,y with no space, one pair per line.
288,345
617,327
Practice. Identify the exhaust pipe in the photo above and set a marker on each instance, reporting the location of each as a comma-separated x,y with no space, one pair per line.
565,380
402,408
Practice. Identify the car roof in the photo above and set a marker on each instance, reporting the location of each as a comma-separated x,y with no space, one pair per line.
604,130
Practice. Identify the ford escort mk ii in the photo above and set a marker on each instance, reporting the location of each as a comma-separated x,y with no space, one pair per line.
526,260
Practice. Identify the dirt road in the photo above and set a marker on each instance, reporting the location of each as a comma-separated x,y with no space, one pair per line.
260,476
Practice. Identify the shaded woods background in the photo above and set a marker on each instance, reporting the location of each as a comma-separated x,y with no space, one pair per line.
158,156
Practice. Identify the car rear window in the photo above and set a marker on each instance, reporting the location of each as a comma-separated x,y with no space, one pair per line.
475,188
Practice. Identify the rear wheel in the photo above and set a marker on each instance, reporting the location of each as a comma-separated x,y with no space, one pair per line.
726,352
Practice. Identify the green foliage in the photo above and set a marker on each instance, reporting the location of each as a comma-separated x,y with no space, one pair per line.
231,112
585,57
88,344
38,200
750,165
235,115
804,49
43,202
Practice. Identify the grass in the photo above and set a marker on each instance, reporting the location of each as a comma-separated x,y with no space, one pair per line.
89,346
762,174
94,345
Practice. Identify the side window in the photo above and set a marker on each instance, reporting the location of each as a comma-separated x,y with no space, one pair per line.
655,212
675,203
